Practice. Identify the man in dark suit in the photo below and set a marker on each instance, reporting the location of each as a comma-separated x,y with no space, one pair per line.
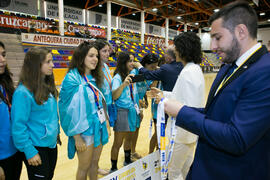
167,73
234,127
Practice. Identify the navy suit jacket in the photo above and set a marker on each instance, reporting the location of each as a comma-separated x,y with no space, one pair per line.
234,127
167,74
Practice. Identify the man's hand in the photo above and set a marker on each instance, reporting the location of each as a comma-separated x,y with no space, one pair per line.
154,93
137,65
172,107
35,161
2,174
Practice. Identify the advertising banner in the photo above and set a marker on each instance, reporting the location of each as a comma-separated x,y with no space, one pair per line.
153,40
94,32
70,13
100,19
25,23
147,168
153,29
50,40
128,24
172,33
21,23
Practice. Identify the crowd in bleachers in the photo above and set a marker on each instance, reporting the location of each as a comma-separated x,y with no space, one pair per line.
122,40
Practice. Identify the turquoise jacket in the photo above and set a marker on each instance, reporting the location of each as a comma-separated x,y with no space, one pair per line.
7,147
125,101
33,124
107,85
78,112
143,86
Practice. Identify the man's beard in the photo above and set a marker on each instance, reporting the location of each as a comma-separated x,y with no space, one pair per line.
233,53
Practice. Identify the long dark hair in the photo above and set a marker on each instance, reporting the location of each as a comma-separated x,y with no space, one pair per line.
78,58
32,77
100,44
121,67
6,82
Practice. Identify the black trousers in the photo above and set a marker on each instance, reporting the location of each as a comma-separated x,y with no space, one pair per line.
44,171
12,166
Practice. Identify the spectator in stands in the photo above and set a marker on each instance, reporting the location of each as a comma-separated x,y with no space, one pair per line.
10,157
34,116
103,48
124,93
82,111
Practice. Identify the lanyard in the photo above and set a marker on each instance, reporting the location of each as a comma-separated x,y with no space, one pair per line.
226,79
93,89
172,142
108,78
161,137
164,161
153,104
131,91
7,99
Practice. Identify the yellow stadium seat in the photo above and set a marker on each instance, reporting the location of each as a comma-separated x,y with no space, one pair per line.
54,51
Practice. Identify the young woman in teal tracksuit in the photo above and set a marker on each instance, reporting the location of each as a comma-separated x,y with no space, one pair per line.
149,61
104,53
82,110
128,113
153,141
10,158
34,114
103,48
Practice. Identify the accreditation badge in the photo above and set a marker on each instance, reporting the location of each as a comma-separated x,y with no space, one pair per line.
101,115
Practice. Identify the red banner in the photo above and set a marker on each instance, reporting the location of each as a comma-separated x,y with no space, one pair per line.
25,23
154,40
21,23
94,32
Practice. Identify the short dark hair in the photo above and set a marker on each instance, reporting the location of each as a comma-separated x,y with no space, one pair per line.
149,58
121,66
188,46
236,13
31,75
77,61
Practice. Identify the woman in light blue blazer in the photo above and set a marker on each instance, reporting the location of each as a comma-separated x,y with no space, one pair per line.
34,114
